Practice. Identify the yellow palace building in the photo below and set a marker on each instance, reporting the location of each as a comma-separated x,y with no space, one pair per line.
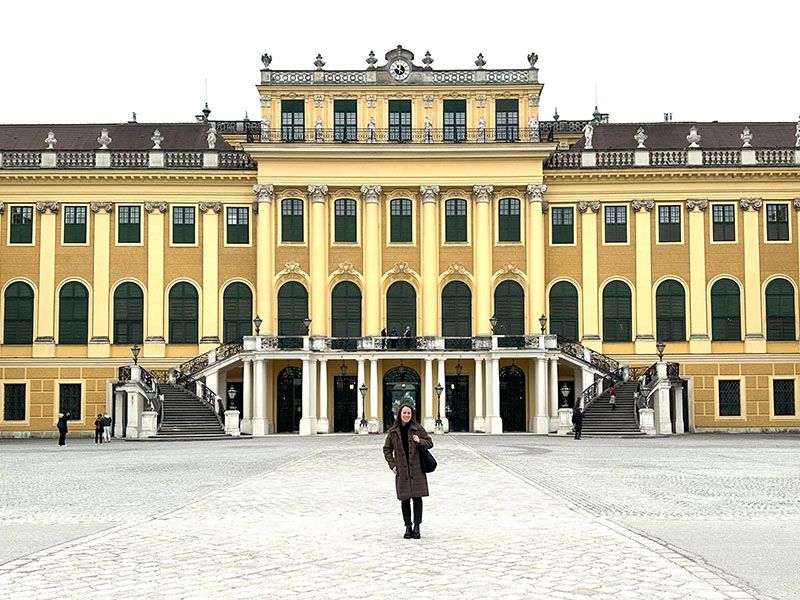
399,233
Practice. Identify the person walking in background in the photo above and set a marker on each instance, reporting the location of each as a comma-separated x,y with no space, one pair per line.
401,451
98,429
612,397
63,429
106,428
577,421
393,338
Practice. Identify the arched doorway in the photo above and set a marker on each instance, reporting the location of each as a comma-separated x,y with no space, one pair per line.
345,315
400,384
457,316
509,310
401,308
237,312
512,398
289,400
292,312
564,310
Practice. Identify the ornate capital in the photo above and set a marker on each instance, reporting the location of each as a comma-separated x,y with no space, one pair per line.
427,101
371,193
533,100
152,206
319,100
47,207
266,101
97,207
371,101
643,205
480,100
318,193
795,203
429,193
585,206
536,191
748,203
264,192
207,206
482,193
696,203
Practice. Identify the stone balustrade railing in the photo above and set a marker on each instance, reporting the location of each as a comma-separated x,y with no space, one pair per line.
691,157
126,159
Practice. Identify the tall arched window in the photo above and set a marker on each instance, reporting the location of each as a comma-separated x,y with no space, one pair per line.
564,310
509,308
617,312
456,310
18,314
670,312
346,310
780,310
237,312
726,321
183,314
292,309
401,308
73,314
128,314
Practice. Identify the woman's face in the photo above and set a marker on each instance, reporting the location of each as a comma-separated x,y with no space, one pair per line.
405,414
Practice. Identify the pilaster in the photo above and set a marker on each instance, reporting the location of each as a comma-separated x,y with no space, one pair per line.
306,423
428,417
44,342
644,303
754,340
535,253
699,341
482,257
259,426
478,423
553,393
265,261
429,194
494,423
374,425
155,345
209,326
247,397
318,195
99,343
591,326
541,423
371,229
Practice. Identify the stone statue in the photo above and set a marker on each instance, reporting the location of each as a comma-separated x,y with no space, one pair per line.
211,136
157,139
104,140
481,129
532,58
533,129
428,130
693,138
318,129
588,133
797,135
51,140
266,59
265,130
746,137
371,131
640,138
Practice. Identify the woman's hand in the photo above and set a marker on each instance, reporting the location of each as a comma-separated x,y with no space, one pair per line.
415,437
394,470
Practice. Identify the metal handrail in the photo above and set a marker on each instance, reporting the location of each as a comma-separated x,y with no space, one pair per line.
346,134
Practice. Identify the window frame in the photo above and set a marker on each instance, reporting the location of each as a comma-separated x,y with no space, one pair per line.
182,208
795,389
671,320
11,209
506,131
712,223
449,219
291,129
402,129
630,317
768,317
711,309
64,225
129,322
553,225
168,313
247,228
660,234
57,399
348,130
26,403
58,316
390,228
33,319
785,206
454,120
616,208
344,201
742,416
295,201
520,220
119,210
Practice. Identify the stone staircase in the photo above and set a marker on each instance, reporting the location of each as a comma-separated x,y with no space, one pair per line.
600,420
186,417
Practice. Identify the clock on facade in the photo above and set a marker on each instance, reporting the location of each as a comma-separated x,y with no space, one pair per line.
399,69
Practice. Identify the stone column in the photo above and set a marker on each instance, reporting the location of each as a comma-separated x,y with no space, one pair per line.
661,404
699,341
535,253
44,341
247,397
119,411
212,383
359,383
371,241
100,342
374,385
754,340
591,325
259,425
442,399
323,425
265,249
428,418
318,194
135,405
307,425
644,338
494,422
430,258
478,423
677,397
312,393
541,423
209,320
154,340
587,378
482,257
554,394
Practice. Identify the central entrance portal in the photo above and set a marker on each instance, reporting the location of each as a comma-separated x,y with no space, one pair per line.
345,403
512,398
456,404
400,385
290,400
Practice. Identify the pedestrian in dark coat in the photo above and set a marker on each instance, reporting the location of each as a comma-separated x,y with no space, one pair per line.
577,420
98,429
401,451
62,428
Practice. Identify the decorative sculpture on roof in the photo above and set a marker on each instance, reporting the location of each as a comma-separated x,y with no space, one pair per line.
371,60
104,140
588,134
211,136
532,58
319,63
51,140
427,60
479,62
266,59
693,138
533,129
157,139
640,137
746,137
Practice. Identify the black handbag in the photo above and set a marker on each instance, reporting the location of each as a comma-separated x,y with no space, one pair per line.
426,460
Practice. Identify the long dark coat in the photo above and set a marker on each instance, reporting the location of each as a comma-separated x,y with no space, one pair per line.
410,481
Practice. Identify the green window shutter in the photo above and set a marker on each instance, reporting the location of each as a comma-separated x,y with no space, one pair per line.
670,312
564,310
14,402
780,310
507,120
237,222
292,120
730,404
74,224
21,224
455,224
508,226
346,310
725,311
345,220
237,312
73,314
616,224
399,120
401,308
777,222
292,220
129,225
617,312
509,308
724,226
669,223
69,400
128,314
345,120
183,314
456,310
183,220
563,225
18,316
292,309
401,224
783,397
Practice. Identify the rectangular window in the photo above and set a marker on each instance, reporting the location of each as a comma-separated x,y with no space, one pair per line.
399,120
21,224
69,400
183,225
783,397
238,223
730,403
74,224
292,120
778,222
129,225
455,120
616,224
508,229
345,220
563,225
506,117
401,221
14,402
455,221
669,224
345,121
723,216
292,220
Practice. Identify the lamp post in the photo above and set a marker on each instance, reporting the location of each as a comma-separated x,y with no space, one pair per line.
660,349
458,374
493,323
135,351
231,396
564,394
257,324
362,426
307,324
542,322
438,427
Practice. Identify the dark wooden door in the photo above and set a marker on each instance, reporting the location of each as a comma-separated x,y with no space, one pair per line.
457,402
345,403
290,400
400,386
512,398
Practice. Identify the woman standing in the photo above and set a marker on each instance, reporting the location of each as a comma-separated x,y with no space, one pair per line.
401,451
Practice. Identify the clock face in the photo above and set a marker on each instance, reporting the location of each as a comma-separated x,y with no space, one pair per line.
399,69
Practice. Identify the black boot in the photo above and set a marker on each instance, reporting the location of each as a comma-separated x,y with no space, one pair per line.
415,532
408,533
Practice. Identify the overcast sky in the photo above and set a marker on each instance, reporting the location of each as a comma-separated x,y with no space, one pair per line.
701,60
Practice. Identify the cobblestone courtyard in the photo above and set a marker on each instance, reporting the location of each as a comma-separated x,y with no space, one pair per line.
512,516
